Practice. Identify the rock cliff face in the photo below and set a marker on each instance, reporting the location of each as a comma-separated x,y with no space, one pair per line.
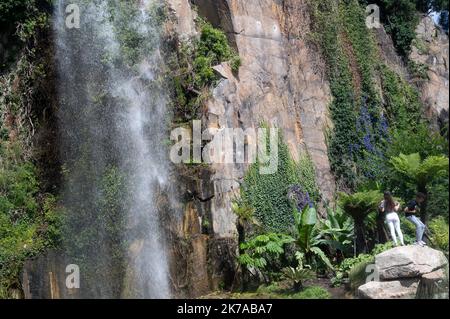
281,82
431,50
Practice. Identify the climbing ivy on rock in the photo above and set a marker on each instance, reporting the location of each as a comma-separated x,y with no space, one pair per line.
364,112
268,194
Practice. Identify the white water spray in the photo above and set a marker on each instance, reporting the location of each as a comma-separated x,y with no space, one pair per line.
113,112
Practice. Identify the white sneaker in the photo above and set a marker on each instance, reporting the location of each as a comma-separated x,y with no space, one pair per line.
423,243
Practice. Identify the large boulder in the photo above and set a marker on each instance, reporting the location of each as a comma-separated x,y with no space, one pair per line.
433,285
409,262
398,289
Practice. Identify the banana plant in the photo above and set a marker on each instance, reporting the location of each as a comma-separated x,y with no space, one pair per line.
337,231
308,236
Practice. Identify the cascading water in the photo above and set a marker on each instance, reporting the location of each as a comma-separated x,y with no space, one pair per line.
112,115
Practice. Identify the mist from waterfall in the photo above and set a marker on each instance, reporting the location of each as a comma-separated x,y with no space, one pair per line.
112,122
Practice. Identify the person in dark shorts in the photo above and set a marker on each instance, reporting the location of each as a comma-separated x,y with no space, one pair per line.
411,211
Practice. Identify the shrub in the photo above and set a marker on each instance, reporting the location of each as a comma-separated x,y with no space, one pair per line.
354,268
440,233
400,19
438,201
419,139
260,250
29,220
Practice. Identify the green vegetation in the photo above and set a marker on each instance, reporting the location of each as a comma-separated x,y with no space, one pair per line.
297,276
308,238
401,17
440,234
370,120
337,231
93,229
261,250
281,291
413,170
268,193
354,268
194,62
20,22
359,206
402,101
30,217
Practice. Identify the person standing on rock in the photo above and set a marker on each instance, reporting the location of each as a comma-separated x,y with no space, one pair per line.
390,207
411,210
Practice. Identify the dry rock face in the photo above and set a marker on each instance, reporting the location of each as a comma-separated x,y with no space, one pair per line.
281,83
402,270
432,50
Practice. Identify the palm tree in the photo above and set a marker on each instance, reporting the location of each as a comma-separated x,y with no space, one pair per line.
420,173
358,206
245,217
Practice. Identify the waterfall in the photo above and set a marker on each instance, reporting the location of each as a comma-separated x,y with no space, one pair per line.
112,123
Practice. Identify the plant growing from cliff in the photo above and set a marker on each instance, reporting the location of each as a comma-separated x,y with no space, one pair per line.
347,47
359,205
194,62
402,101
420,173
29,219
93,229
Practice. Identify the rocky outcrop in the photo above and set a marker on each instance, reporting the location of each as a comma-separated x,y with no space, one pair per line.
431,49
406,273
397,289
434,285
388,52
45,278
409,262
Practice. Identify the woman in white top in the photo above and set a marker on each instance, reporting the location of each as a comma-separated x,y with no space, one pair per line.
390,208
